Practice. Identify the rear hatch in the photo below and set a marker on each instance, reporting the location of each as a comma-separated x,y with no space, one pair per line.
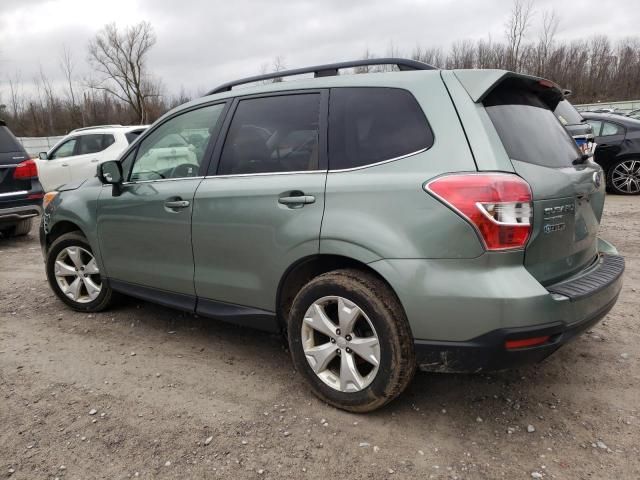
568,192
11,154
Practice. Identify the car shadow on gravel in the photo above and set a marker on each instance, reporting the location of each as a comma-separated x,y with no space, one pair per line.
439,392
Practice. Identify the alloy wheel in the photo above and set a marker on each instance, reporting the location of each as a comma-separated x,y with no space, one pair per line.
77,274
626,176
340,344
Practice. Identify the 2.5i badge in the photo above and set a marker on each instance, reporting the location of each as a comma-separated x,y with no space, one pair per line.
554,227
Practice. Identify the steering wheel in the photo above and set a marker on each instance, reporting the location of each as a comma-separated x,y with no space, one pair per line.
184,170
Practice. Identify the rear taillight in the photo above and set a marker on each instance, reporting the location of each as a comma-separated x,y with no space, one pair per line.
498,205
25,170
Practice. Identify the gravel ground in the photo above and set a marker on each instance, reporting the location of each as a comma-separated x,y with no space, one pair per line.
144,391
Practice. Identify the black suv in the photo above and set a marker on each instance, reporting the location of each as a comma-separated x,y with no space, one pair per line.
20,191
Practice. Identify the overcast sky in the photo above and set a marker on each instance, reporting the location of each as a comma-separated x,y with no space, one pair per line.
202,43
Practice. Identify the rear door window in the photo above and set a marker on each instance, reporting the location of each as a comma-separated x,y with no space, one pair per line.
609,128
529,130
596,125
94,143
369,125
273,134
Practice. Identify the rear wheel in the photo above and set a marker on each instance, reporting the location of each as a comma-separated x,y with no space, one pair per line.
74,275
350,339
19,229
624,177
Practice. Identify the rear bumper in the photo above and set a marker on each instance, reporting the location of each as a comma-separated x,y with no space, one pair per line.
462,311
488,352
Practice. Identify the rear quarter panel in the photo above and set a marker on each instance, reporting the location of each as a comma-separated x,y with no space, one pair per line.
382,211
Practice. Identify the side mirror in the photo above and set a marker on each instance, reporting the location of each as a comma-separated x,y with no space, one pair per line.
110,173
43,156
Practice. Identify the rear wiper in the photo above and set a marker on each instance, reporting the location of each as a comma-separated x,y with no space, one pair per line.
581,159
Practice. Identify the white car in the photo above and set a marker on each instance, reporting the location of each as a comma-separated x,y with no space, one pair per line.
77,155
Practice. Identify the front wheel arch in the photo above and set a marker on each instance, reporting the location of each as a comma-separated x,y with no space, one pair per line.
61,228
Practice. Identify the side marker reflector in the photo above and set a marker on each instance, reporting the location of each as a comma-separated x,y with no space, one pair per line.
526,342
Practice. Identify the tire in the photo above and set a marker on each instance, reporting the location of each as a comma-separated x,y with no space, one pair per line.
619,172
87,299
19,229
379,316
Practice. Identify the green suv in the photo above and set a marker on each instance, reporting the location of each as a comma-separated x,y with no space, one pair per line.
424,218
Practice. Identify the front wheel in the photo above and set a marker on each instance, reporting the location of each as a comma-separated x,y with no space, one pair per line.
623,177
74,275
350,339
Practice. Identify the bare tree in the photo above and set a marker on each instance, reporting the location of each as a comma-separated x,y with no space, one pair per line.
431,55
545,40
120,57
67,66
16,101
278,66
516,30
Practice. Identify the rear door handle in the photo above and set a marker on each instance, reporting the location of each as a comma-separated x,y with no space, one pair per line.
177,203
297,200
94,160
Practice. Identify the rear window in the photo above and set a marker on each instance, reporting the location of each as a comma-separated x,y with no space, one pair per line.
9,143
93,143
529,130
370,124
567,114
132,135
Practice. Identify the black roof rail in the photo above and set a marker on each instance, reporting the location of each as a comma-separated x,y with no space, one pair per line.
328,70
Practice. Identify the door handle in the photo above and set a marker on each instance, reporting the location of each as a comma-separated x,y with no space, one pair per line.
94,160
177,203
65,164
297,200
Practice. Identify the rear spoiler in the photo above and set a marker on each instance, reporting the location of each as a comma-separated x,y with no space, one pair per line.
479,83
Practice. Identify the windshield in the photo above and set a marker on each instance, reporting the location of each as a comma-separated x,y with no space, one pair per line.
567,114
529,130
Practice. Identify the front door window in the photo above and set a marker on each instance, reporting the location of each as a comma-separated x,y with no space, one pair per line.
176,148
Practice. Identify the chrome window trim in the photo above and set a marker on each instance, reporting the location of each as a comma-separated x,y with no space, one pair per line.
298,172
14,194
380,162
162,180
263,174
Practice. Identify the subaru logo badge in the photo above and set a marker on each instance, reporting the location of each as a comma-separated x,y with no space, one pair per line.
597,179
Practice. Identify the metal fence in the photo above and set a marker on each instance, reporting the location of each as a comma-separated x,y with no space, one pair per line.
623,107
35,145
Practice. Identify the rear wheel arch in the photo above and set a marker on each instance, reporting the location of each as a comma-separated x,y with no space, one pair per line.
308,268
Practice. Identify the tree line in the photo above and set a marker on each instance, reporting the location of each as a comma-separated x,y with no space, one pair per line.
595,69
122,89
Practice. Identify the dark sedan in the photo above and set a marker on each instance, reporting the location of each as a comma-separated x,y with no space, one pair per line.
618,150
